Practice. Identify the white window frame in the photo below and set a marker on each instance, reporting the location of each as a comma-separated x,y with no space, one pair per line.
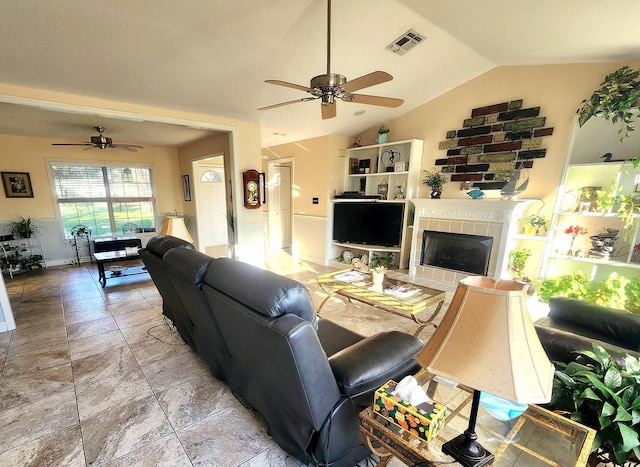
108,199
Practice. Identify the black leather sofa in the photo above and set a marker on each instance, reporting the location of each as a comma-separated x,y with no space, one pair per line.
307,376
172,307
574,324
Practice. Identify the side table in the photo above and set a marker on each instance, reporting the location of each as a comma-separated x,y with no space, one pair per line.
538,437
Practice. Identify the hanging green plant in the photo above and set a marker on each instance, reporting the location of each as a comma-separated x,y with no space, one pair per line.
618,94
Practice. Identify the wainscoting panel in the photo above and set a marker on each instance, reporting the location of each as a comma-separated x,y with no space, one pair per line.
309,237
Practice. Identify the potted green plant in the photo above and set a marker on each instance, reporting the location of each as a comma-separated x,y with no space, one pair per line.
628,208
24,227
617,95
535,224
382,133
378,266
595,391
518,261
378,261
435,179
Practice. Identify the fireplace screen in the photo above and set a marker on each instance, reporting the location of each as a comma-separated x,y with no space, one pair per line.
459,252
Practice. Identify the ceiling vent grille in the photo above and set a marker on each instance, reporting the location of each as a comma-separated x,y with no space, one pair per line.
405,42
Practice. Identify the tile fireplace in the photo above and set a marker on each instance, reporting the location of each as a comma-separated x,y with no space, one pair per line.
492,222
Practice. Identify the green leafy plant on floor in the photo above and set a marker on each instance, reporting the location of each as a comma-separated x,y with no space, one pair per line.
596,392
518,261
615,292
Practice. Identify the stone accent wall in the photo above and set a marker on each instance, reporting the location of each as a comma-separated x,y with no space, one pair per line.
492,143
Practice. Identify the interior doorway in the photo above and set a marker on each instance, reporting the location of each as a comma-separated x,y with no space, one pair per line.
211,205
279,203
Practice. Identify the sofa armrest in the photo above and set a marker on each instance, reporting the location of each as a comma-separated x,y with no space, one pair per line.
560,345
363,367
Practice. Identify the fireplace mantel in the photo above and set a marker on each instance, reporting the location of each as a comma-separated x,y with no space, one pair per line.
494,217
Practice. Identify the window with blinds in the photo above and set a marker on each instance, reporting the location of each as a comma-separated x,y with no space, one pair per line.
104,198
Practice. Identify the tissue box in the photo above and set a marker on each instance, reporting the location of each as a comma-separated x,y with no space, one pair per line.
423,421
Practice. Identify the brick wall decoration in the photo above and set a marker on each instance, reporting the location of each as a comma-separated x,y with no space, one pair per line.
492,143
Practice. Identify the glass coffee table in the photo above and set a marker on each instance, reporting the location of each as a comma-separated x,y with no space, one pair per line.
537,438
393,296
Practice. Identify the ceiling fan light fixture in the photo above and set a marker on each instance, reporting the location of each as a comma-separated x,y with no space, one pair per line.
103,142
330,86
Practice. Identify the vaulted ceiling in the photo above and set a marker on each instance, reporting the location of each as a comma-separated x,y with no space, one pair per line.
213,56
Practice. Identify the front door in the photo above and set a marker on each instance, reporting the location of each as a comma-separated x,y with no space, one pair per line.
211,205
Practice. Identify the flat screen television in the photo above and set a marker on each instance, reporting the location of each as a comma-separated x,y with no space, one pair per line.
368,223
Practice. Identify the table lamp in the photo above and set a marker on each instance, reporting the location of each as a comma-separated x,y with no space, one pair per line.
487,341
174,226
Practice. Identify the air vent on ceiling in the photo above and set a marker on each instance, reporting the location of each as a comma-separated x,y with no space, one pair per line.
405,42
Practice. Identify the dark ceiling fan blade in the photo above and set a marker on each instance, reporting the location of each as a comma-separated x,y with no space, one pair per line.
72,144
377,100
365,81
289,85
328,111
304,99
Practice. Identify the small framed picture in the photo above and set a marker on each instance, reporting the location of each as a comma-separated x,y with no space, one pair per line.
401,166
17,184
186,188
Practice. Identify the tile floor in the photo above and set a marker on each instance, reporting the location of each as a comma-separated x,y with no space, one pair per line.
92,376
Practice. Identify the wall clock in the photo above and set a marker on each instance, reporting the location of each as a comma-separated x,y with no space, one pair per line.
251,182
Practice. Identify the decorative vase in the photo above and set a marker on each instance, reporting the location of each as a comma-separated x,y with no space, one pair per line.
382,138
436,193
378,277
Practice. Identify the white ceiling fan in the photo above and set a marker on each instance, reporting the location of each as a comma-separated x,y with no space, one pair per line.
103,142
330,86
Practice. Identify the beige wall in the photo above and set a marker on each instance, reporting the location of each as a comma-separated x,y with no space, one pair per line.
32,155
319,165
243,145
557,89
218,144
318,171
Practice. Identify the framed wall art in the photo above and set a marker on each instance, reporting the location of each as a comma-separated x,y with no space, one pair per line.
186,188
17,184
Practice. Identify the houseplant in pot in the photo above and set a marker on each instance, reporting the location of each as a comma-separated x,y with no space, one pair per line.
435,180
24,227
517,262
535,224
595,391
378,266
382,134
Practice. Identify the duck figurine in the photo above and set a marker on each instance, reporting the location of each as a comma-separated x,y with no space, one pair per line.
476,193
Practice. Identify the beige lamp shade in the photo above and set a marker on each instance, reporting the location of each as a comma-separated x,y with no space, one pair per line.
487,341
174,226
